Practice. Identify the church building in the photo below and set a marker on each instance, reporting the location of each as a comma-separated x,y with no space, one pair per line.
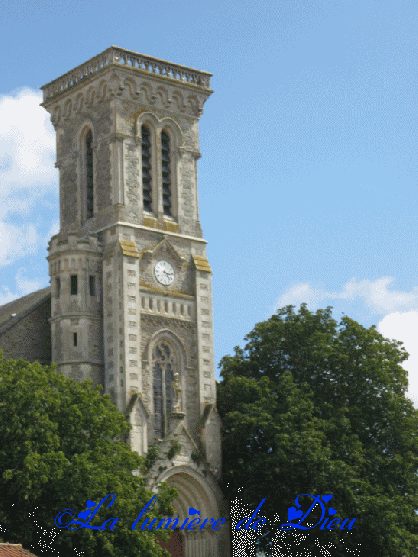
130,301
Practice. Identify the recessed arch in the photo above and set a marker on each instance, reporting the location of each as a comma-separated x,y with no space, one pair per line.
166,356
196,491
147,167
149,95
132,88
146,126
179,99
162,92
193,491
79,102
146,118
160,158
172,127
166,333
86,171
166,171
90,96
171,141
84,128
165,363
102,89
89,171
68,107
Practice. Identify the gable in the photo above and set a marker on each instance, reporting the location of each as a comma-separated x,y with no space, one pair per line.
164,247
20,307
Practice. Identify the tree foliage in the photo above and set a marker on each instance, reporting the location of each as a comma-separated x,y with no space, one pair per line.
313,406
62,444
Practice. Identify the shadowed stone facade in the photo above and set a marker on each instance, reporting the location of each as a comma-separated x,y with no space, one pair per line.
131,297
24,328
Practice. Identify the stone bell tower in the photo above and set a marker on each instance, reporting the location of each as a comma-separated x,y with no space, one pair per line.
131,283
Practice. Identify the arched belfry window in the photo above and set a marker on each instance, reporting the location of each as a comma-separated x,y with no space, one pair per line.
163,375
166,171
146,169
89,174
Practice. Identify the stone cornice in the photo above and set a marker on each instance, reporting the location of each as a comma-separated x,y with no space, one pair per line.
80,315
155,230
161,321
132,61
144,289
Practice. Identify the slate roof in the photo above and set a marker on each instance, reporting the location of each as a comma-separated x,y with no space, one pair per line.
14,549
22,307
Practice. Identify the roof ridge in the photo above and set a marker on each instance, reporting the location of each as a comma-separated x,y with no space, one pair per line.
23,297
15,310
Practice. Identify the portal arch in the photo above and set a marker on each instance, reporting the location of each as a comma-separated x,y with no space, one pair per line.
195,492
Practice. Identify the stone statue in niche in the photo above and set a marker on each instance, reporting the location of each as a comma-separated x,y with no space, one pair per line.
177,390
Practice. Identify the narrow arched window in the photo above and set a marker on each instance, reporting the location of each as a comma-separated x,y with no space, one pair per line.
166,171
146,169
89,174
163,364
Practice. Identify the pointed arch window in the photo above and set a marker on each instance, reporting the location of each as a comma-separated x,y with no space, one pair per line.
166,172
146,169
89,175
163,375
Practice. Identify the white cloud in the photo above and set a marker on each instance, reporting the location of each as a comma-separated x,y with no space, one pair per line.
27,172
55,227
399,323
24,285
375,295
404,327
27,143
16,242
28,285
300,293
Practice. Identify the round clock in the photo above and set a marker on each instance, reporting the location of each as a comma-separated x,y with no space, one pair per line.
164,273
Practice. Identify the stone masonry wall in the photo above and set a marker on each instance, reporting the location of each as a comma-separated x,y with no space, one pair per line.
30,338
69,156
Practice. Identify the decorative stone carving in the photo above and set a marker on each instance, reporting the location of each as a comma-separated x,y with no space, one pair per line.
177,389
131,315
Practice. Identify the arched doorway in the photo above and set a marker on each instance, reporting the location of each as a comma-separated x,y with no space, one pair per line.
175,546
195,492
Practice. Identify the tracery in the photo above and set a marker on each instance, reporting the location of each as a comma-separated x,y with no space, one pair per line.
163,372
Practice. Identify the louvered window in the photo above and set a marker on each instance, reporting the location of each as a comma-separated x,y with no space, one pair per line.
166,171
146,169
89,175
163,387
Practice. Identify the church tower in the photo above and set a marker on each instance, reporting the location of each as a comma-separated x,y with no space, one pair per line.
131,303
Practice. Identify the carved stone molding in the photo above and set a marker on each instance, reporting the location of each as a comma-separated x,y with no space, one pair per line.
118,73
119,57
162,321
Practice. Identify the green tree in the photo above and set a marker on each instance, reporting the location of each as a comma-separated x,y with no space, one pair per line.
316,407
62,443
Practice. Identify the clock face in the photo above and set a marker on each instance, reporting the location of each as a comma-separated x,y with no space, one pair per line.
164,273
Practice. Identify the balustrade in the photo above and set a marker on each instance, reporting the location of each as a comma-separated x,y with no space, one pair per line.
122,57
158,306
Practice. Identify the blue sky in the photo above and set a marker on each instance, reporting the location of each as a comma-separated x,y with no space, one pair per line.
308,176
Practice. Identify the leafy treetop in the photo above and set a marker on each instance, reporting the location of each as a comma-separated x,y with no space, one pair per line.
61,444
